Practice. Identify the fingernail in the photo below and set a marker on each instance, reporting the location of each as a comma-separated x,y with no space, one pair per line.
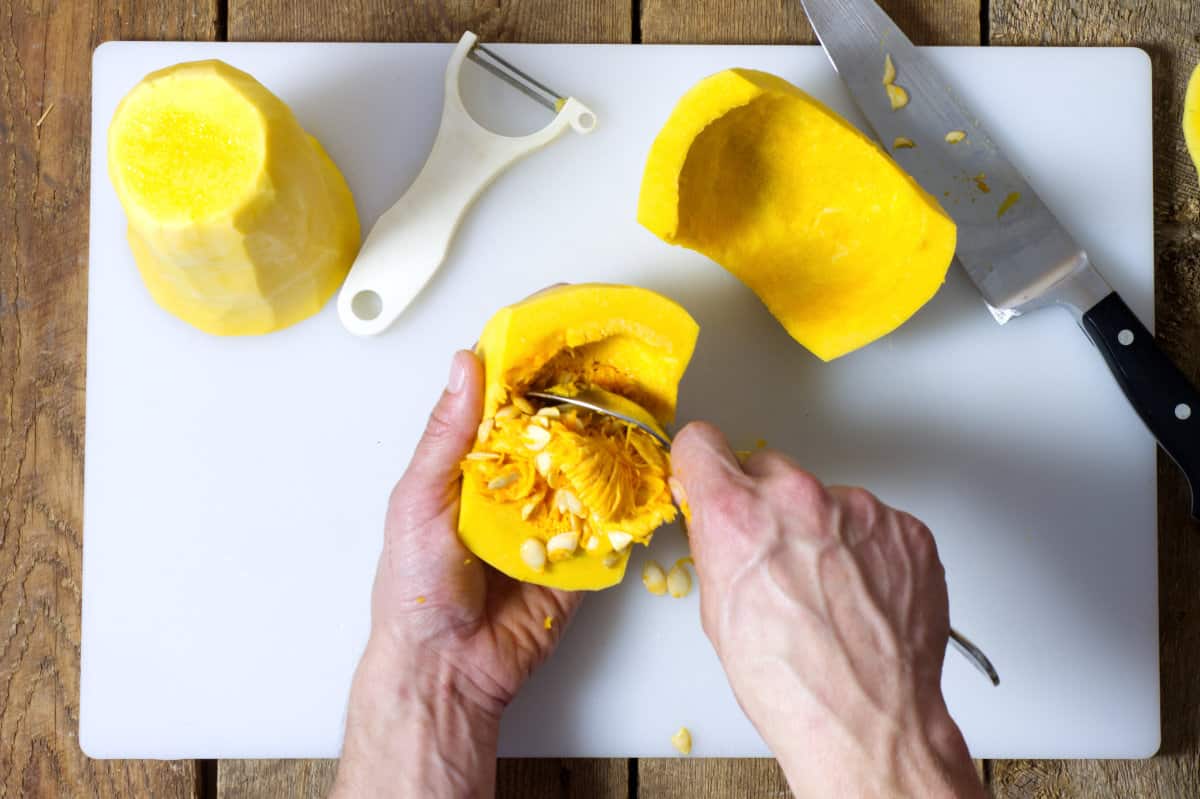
458,374
677,490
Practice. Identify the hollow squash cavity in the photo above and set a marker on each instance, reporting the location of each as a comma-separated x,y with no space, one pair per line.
837,241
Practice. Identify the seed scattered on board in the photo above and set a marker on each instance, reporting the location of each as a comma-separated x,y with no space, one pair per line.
654,578
682,741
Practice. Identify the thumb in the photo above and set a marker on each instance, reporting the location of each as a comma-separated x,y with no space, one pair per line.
429,486
712,481
703,462
720,498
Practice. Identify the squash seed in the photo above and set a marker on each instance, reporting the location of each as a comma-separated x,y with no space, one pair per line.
485,430
896,96
567,501
592,543
483,456
549,412
533,554
612,559
889,70
679,581
653,578
503,481
619,540
523,405
542,463
507,412
903,143
529,507
682,741
955,136
536,438
562,546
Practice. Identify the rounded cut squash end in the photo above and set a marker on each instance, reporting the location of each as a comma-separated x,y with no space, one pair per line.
557,495
1191,117
239,222
187,144
837,241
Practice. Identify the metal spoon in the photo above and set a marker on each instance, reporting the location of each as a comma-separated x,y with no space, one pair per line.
618,407
610,404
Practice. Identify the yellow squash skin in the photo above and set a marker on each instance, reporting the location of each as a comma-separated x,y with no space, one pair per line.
1191,117
628,340
839,243
239,222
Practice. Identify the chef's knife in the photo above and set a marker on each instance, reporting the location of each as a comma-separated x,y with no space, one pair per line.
1009,242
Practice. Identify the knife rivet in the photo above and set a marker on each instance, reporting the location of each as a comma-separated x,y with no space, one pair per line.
1125,338
1183,411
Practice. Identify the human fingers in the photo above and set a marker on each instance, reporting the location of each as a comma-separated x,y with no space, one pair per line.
429,485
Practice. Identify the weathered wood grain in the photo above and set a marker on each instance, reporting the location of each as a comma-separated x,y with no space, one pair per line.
45,105
382,20
571,778
443,21
515,779
1169,31
710,778
256,779
783,21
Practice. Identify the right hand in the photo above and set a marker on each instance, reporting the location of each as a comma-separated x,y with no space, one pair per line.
829,612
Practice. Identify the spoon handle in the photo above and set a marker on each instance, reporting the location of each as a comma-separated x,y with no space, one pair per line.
975,655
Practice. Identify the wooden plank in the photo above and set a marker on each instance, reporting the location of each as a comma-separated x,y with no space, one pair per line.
710,778
295,779
443,21
45,105
515,778
775,22
1167,31
769,22
382,20
570,778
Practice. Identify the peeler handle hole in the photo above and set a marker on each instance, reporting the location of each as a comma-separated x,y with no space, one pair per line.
366,305
586,120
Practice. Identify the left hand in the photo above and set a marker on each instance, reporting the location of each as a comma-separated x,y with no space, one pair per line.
451,638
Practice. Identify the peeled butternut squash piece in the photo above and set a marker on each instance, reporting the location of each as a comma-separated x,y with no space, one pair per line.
238,221
1191,117
839,243
558,495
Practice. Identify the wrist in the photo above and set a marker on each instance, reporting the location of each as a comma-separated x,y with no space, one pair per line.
416,729
891,760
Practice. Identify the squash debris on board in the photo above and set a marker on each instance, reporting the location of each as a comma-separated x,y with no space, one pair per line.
558,495
239,222
837,241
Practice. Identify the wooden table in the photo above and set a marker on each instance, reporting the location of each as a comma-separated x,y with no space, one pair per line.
45,57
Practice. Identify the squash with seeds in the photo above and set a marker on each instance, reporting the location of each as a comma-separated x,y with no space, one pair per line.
558,495
836,240
238,221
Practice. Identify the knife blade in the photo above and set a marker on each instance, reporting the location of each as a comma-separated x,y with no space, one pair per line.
1009,243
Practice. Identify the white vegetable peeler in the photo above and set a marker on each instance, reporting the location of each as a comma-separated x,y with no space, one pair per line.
410,240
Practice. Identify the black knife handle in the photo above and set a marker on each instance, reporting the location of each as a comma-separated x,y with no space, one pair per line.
1158,391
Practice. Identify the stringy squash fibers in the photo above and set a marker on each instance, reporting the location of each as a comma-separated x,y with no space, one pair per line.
557,495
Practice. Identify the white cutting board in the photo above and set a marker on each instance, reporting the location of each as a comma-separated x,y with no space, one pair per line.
235,488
